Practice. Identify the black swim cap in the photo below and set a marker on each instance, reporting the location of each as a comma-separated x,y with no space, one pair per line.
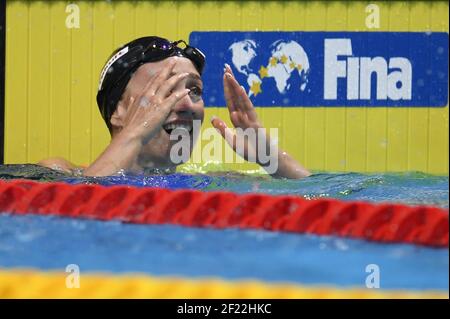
125,60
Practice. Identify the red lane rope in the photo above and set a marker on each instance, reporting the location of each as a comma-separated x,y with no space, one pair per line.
422,225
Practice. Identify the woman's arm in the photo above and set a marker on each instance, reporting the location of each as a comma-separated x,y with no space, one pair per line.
121,153
243,116
58,164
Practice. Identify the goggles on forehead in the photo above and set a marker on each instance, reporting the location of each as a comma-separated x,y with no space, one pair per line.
162,48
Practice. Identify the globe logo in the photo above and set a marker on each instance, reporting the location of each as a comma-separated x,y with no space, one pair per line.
286,58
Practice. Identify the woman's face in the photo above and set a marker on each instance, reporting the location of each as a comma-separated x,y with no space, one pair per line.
156,153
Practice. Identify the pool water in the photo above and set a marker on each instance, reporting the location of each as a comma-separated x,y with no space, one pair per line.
49,242
44,242
412,188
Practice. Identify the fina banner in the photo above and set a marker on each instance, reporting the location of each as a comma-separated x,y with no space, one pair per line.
328,68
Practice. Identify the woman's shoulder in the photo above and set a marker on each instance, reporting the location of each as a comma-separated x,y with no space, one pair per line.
59,164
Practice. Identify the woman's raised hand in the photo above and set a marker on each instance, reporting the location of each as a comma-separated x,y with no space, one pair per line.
243,116
147,113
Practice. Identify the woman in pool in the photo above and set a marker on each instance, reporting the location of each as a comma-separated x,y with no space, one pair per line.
150,87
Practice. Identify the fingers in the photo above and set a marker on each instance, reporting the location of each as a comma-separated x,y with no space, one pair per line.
236,95
219,125
159,79
175,97
131,107
150,83
225,131
160,87
169,85
228,94
146,103
142,100
228,68
236,119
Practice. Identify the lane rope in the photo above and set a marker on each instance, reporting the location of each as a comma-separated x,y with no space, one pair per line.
386,222
24,283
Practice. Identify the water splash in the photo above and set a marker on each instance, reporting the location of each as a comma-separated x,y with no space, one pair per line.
412,188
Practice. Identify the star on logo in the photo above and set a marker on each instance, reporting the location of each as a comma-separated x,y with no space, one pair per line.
273,61
256,87
263,72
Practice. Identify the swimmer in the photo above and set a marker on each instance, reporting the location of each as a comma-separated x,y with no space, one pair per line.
148,88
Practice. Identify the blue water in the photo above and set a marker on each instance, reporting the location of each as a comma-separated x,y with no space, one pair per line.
406,188
54,242
411,188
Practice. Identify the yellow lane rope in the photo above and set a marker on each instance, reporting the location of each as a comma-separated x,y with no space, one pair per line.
36,284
